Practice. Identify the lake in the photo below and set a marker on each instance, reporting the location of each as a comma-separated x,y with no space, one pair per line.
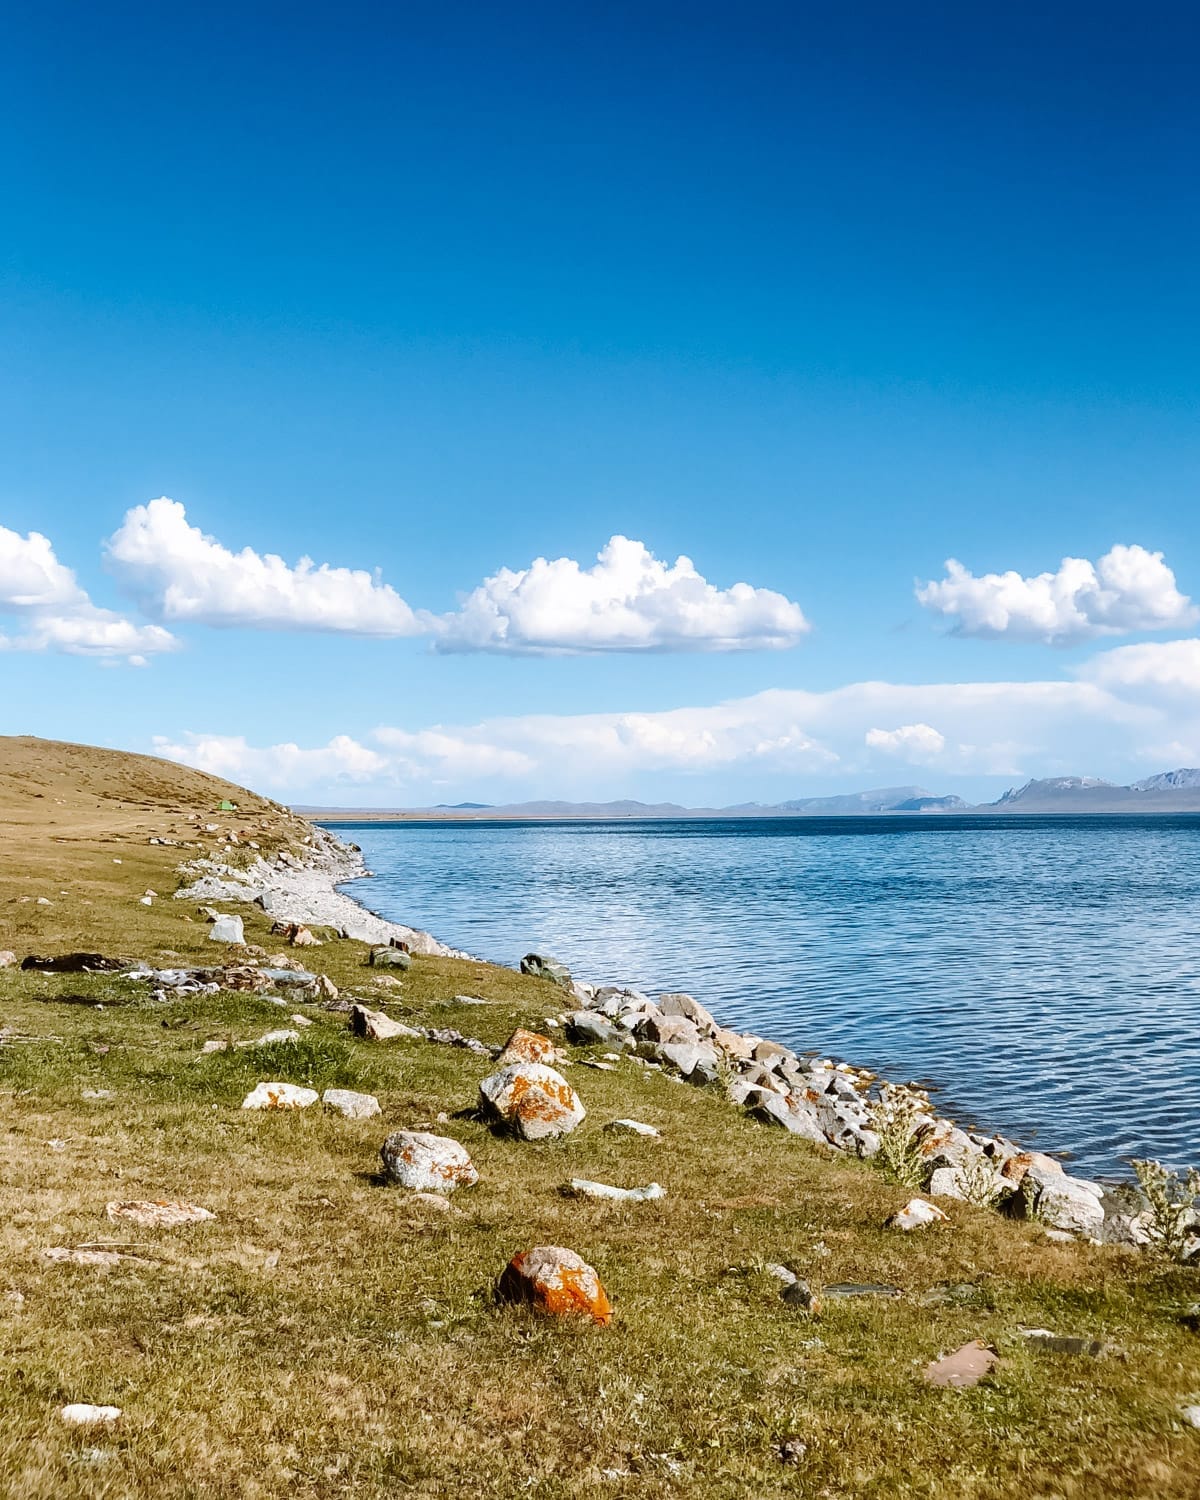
1043,974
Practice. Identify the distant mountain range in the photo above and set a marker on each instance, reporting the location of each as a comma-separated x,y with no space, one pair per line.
1168,792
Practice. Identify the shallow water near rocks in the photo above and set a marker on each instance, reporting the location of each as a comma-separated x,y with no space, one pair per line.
1042,973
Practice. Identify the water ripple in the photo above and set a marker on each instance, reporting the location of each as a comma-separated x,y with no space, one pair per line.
1044,974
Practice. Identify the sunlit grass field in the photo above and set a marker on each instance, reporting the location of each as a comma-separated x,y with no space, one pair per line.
325,1335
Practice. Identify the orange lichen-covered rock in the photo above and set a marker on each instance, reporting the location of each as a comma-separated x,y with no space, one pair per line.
427,1163
528,1046
532,1100
556,1281
1016,1167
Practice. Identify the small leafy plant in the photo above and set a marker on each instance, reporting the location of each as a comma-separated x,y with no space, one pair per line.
980,1183
1174,1220
897,1117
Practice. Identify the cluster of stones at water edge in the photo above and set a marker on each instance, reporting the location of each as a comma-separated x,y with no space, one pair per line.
303,889
835,1105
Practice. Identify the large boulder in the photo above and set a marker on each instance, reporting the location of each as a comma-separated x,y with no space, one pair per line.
555,1280
1061,1202
689,1009
792,1112
427,1163
527,1046
541,966
533,1100
684,1057
389,958
588,1028
660,1028
227,930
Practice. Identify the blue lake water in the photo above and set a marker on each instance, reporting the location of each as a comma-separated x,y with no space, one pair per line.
1042,973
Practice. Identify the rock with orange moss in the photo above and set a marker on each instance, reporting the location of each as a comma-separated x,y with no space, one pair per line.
527,1047
280,1096
533,1100
556,1281
427,1163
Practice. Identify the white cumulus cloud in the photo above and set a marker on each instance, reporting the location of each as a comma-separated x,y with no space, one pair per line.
56,614
915,742
179,573
628,601
1127,589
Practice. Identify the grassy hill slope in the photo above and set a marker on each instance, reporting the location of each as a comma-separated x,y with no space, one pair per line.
326,1335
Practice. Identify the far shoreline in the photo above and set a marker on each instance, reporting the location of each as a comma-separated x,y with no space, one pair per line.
349,818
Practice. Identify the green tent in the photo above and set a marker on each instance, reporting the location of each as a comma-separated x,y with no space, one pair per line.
227,806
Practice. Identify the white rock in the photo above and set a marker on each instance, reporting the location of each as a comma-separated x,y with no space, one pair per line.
68,1255
633,1127
279,1096
377,1027
160,1214
917,1213
1062,1202
349,1105
427,1163
944,1183
582,1187
268,1038
431,1200
213,1046
299,1020
44,901
84,1414
1191,1415
145,900
227,930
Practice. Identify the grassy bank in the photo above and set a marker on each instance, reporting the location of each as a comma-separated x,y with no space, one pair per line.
325,1335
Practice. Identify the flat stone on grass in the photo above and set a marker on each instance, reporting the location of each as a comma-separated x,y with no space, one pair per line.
964,1368
583,1187
634,1127
351,1105
161,1213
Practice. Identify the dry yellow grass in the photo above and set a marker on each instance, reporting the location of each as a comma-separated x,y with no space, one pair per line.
324,1336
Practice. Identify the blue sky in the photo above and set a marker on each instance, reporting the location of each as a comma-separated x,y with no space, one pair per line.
818,300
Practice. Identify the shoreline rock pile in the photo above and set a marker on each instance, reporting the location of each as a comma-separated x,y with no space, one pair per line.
837,1106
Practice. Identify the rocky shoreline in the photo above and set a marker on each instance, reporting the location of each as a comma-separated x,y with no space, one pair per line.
834,1105
294,889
